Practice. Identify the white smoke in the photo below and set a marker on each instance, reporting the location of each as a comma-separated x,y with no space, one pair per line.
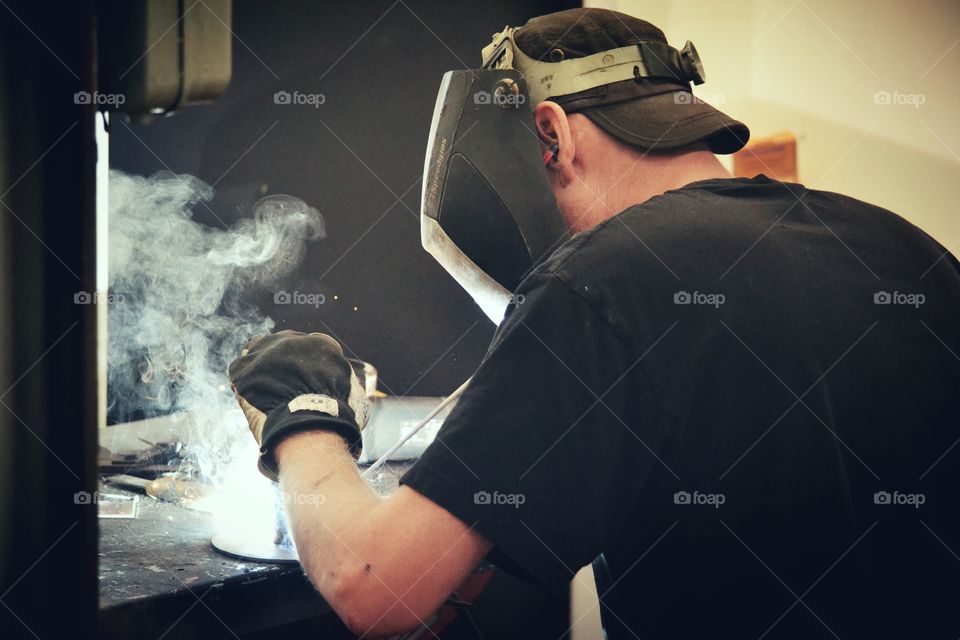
181,310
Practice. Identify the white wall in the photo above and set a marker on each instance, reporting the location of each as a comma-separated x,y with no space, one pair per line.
814,67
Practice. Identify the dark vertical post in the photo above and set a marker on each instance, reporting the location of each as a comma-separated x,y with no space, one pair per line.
47,340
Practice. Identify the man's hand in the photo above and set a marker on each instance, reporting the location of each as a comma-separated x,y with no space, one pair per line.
383,565
289,382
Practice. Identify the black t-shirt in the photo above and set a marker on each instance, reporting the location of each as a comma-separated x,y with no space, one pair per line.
746,395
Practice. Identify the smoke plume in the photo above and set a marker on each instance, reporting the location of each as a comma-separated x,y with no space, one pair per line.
181,310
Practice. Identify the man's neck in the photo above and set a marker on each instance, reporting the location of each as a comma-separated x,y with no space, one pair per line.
652,176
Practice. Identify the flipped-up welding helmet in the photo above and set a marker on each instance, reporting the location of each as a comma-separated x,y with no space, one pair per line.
488,214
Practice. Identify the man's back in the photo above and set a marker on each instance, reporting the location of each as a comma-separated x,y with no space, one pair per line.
804,349
745,395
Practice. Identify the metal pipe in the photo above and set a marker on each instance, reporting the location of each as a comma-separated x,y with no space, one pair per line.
368,473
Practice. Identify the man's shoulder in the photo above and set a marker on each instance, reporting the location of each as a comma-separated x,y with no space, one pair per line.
634,241
705,226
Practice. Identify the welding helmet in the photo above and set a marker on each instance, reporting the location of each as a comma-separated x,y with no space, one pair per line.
488,214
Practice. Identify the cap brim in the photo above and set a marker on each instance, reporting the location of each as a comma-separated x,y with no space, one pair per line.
669,121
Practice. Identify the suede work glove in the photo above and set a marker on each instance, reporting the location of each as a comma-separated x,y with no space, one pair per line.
289,382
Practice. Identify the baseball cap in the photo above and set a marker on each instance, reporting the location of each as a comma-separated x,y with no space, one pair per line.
652,114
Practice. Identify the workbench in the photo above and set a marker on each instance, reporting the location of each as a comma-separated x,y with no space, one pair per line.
161,578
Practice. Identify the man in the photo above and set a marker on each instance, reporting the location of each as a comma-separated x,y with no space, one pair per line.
742,393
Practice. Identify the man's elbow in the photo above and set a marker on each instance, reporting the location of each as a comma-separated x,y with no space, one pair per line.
369,608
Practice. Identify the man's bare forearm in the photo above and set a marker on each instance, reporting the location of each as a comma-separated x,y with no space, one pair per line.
325,498
383,565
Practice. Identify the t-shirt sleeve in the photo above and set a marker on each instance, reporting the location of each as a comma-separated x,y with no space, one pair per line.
540,454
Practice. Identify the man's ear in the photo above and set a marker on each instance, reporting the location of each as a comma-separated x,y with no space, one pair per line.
553,128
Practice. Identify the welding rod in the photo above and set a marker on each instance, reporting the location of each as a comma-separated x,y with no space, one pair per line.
456,393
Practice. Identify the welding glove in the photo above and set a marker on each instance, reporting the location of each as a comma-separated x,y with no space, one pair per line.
289,382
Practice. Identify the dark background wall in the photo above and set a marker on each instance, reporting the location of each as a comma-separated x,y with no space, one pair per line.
358,158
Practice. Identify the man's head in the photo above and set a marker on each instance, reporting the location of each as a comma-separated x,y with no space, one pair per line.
627,140
613,116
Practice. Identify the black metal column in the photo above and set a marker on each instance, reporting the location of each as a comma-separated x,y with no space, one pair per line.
47,341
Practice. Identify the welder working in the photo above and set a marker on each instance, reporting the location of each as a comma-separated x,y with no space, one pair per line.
714,389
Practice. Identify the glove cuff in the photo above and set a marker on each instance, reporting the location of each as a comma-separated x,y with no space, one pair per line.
282,423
